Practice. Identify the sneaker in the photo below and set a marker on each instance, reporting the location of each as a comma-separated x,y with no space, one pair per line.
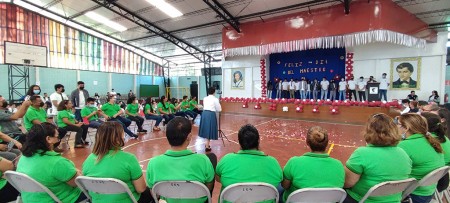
135,136
142,131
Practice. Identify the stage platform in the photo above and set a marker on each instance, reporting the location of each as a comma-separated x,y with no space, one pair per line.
346,114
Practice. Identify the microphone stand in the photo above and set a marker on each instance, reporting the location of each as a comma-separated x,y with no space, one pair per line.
221,133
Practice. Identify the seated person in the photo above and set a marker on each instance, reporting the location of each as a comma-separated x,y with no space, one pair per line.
90,113
47,167
405,107
150,113
5,150
180,163
132,111
108,152
37,115
7,120
113,112
315,169
164,110
381,160
185,106
193,105
7,192
421,104
257,166
413,107
66,120
175,107
412,96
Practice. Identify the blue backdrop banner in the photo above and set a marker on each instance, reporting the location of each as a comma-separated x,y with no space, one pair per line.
311,64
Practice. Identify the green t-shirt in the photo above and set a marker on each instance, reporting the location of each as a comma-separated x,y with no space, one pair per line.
424,160
127,171
148,107
172,108
180,165
133,108
53,171
86,111
249,166
192,104
161,106
65,114
34,114
313,170
446,148
110,109
376,165
184,104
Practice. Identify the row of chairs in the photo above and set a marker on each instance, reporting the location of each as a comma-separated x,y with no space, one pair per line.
240,192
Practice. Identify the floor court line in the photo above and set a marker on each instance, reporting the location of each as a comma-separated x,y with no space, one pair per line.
330,149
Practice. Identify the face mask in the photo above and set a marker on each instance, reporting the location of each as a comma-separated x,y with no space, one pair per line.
403,135
384,77
92,105
82,88
36,91
361,80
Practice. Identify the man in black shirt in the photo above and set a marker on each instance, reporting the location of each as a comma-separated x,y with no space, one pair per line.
412,96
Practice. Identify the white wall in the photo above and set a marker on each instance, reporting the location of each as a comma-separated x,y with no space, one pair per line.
375,59
252,77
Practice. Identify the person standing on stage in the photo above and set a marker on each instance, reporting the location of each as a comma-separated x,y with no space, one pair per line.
285,86
316,88
292,89
324,84
333,89
362,89
278,88
297,89
209,128
342,88
303,88
384,83
269,89
351,84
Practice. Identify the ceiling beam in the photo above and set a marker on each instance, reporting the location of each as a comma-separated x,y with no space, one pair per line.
85,11
224,14
127,14
52,3
189,38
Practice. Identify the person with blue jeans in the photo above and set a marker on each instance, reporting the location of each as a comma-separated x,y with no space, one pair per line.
114,112
150,113
342,88
90,114
384,83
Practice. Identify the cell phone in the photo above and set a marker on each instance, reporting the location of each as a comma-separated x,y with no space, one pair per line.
10,145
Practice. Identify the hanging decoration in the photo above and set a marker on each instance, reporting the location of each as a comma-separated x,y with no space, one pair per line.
263,78
348,70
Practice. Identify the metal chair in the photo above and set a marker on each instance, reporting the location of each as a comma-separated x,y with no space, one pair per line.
388,188
24,183
430,179
180,190
317,195
249,192
103,186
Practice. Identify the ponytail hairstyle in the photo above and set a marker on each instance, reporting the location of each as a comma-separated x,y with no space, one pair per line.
317,139
163,102
416,124
149,101
435,126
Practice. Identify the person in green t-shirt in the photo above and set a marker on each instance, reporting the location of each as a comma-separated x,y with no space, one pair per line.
428,158
180,163
66,120
108,152
90,114
185,106
315,169
47,167
164,110
437,129
132,112
193,105
7,192
249,164
150,113
175,108
114,112
381,160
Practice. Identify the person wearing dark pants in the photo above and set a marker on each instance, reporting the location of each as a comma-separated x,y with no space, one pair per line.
185,108
132,112
164,111
193,106
351,86
175,108
66,120
78,98
90,114
362,89
150,114
113,112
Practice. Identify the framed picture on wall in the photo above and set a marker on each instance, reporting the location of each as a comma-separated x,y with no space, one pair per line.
237,78
405,73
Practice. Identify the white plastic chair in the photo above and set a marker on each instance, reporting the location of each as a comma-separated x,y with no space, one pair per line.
388,188
317,195
249,192
103,186
24,183
180,190
430,179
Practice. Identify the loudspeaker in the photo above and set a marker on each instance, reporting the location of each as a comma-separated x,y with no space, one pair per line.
194,89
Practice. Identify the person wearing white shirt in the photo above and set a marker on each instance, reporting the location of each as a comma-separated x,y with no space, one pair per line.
384,84
405,104
113,93
342,88
56,97
209,127
297,89
324,91
351,85
292,89
362,89
303,88
285,86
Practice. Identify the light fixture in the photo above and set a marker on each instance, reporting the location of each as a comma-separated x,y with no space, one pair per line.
166,8
105,21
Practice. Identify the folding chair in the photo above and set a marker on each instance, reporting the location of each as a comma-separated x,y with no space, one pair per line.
430,179
388,188
24,183
317,195
249,192
180,190
103,186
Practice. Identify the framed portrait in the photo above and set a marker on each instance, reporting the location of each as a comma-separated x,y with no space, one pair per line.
237,78
405,73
